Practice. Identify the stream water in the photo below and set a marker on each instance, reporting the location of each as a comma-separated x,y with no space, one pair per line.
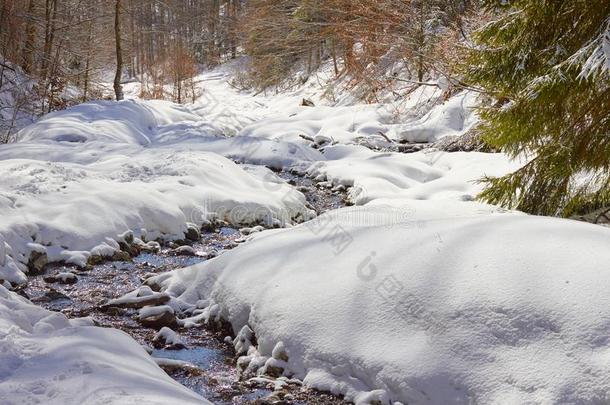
216,377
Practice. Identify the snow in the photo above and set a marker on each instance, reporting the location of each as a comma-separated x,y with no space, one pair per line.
423,175
437,308
148,312
169,337
46,358
79,178
455,117
416,295
349,124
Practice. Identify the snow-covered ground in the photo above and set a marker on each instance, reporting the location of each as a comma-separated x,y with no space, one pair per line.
46,358
426,303
426,175
417,295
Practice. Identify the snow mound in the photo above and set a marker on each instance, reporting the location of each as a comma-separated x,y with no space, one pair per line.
453,118
429,309
426,175
129,121
339,124
422,117
130,125
46,358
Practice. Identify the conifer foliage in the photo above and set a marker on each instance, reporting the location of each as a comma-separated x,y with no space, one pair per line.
547,62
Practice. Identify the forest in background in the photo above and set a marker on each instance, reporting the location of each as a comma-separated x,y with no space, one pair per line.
63,42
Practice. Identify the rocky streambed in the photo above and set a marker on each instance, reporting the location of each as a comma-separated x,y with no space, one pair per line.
200,357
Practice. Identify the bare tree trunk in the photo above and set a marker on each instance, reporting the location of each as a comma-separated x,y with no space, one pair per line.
118,89
334,55
233,33
30,38
50,20
88,62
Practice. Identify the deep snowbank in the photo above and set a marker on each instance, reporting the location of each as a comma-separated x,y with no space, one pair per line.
466,307
80,178
427,175
423,117
46,358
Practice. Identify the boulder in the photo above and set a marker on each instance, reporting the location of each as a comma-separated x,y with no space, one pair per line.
157,317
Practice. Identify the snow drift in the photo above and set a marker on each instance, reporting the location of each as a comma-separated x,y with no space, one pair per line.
46,358
427,175
454,117
437,308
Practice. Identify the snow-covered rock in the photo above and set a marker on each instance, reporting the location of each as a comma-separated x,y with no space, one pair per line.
46,358
454,304
169,339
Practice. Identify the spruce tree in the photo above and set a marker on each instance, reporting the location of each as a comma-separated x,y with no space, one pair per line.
547,62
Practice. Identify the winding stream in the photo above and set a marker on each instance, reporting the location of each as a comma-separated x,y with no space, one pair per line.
215,376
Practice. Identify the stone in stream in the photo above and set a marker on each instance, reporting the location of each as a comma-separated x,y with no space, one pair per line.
61,278
131,249
37,263
50,295
142,297
150,247
157,317
168,339
192,233
121,256
118,256
184,251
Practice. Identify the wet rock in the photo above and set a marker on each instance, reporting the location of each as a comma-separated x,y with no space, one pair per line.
118,256
51,295
157,317
37,263
130,249
95,260
19,291
121,256
192,233
61,278
208,226
274,371
184,251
